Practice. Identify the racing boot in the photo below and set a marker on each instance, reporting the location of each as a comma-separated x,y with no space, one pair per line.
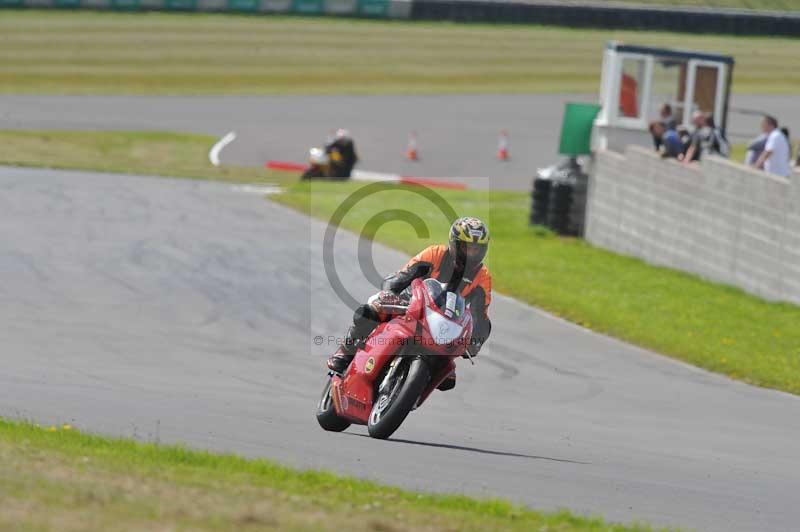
448,383
339,360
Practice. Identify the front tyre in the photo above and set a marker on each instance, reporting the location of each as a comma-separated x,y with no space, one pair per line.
327,417
393,405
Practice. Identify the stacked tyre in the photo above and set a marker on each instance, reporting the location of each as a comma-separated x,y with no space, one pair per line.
558,199
540,201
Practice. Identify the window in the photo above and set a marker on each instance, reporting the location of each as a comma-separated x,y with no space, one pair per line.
668,86
631,87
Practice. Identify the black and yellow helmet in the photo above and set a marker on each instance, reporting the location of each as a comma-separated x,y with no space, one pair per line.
469,242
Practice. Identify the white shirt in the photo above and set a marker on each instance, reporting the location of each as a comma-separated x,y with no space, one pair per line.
778,162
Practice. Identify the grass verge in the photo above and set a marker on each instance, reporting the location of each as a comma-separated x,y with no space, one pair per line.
712,326
135,152
85,52
61,479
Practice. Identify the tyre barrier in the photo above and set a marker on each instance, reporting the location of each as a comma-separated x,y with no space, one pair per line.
589,14
578,13
558,198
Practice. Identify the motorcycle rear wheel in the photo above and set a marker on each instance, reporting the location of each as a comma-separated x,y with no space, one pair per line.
327,417
392,407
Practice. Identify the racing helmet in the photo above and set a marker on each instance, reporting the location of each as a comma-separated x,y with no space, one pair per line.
468,243
342,133
317,156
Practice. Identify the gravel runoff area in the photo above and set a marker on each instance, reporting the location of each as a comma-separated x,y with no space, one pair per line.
159,308
457,134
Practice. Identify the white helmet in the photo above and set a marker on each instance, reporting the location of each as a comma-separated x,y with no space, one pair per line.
342,133
317,156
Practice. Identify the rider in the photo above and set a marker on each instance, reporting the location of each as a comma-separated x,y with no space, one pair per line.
459,264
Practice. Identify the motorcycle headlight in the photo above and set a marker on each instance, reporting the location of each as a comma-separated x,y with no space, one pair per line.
442,330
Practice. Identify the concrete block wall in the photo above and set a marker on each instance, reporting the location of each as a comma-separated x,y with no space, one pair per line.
717,219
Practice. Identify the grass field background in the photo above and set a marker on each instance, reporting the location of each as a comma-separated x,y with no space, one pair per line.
135,152
84,52
55,478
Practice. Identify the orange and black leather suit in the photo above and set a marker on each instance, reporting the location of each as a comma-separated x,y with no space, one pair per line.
434,262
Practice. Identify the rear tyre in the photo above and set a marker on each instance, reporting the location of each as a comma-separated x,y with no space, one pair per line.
327,417
391,407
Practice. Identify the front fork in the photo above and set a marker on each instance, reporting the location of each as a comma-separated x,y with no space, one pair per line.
389,374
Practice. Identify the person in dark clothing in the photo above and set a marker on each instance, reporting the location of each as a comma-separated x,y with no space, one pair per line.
698,139
459,264
716,142
342,154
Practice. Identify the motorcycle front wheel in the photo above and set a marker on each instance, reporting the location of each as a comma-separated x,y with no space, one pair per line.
393,405
327,417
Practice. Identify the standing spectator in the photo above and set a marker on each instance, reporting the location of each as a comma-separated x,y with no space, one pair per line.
775,157
754,149
716,141
785,131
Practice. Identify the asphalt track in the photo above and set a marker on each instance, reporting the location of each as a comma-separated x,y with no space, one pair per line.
183,311
457,134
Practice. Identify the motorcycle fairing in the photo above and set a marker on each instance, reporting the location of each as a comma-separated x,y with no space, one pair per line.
353,394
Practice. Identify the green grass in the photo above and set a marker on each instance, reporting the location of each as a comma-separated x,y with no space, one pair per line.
84,52
712,326
61,479
135,152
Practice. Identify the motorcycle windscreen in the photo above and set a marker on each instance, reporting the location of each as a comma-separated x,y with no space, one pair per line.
442,330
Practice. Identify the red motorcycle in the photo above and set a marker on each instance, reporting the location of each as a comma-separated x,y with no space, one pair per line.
403,361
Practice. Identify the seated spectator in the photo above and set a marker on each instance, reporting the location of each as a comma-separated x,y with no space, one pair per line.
775,157
666,117
669,143
342,154
698,138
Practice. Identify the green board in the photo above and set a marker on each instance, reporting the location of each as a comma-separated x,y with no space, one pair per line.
374,8
576,129
11,3
67,3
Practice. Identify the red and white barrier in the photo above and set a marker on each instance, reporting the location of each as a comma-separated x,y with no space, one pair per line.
365,175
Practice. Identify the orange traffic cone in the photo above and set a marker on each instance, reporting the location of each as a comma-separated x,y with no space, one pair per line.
502,146
411,150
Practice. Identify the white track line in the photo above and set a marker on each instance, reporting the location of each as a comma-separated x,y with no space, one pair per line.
213,155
